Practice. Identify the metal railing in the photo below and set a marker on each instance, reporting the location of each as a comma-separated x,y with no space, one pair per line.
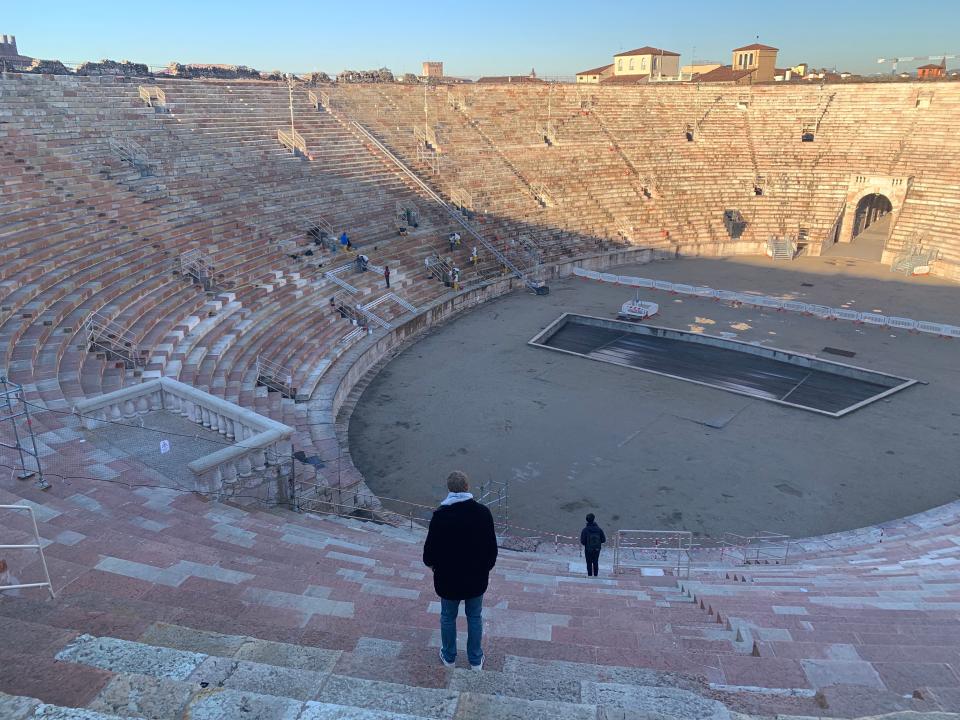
152,95
293,140
400,513
35,545
352,337
334,277
275,376
367,312
665,549
193,263
549,132
132,153
106,336
763,548
440,269
462,199
13,409
542,195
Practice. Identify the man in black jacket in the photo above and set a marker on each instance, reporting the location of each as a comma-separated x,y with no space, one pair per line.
461,549
592,539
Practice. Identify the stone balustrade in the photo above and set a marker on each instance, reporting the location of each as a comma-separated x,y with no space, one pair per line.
261,450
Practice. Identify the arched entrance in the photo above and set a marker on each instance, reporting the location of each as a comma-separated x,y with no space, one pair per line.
871,209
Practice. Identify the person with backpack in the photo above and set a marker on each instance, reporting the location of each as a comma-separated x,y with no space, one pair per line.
461,550
592,539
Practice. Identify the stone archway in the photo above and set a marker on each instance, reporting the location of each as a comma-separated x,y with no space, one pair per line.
870,209
868,199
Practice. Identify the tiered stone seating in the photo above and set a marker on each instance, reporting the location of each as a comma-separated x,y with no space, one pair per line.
315,618
165,602
613,140
502,189
83,235
876,609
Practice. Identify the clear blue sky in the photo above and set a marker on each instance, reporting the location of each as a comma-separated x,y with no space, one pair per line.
475,38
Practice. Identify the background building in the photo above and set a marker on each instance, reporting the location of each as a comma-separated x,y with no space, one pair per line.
646,61
432,69
760,60
9,56
595,75
932,72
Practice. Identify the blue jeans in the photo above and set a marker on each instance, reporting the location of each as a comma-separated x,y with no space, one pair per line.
473,609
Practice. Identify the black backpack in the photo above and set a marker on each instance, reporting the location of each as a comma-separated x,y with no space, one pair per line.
593,540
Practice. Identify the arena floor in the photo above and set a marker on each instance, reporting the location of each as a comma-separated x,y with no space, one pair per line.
650,452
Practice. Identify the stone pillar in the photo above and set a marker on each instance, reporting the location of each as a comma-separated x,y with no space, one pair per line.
176,404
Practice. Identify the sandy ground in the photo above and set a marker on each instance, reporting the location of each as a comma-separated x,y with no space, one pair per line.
647,452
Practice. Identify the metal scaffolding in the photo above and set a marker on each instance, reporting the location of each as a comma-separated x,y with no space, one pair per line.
13,408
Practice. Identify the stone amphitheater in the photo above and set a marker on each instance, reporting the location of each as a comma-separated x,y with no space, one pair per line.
183,340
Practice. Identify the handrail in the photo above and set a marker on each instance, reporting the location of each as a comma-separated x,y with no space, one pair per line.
677,543
149,92
273,371
762,546
292,139
412,507
36,545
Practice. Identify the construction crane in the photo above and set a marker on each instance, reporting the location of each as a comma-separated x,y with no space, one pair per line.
908,58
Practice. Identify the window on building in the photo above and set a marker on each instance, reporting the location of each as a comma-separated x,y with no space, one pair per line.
619,63
751,59
631,63
643,63
656,63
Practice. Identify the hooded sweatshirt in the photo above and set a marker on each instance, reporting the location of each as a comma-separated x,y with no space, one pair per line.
461,547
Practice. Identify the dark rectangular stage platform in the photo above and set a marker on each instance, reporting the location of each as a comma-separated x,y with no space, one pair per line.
780,376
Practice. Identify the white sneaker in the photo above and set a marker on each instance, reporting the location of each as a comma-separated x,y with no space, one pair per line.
479,667
444,660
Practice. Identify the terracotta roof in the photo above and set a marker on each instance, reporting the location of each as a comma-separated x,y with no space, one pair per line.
624,79
647,50
755,46
931,66
722,74
596,70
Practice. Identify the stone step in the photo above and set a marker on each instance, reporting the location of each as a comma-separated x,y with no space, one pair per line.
19,707
160,682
